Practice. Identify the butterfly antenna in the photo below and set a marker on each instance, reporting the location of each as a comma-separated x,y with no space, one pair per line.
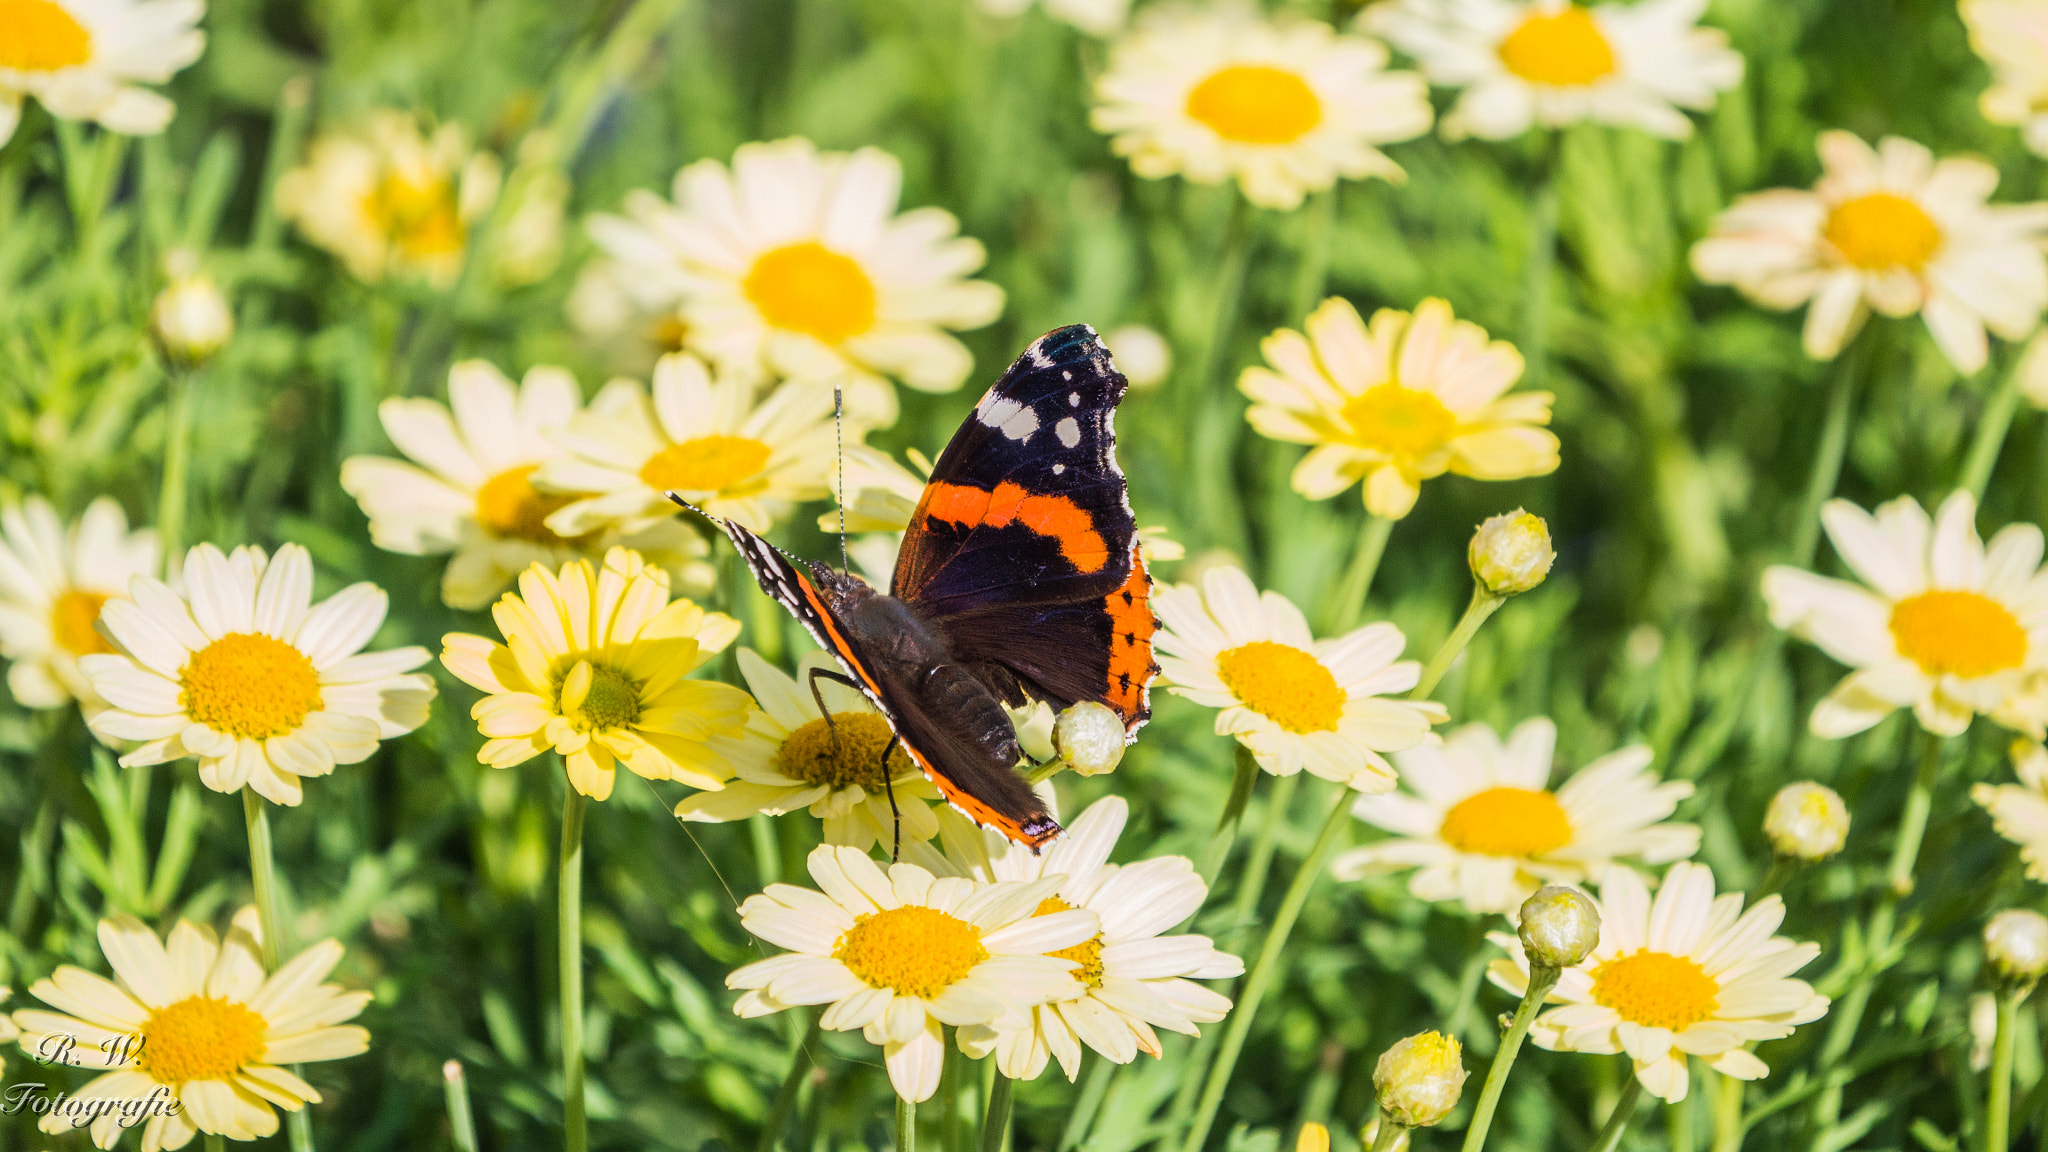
839,436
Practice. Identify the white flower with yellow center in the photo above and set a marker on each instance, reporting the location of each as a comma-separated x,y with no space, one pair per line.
53,582
901,954
593,666
1889,229
790,757
390,200
1296,702
1481,825
1284,107
1945,626
1690,975
2020,811
469,489
1549,63
248,675
703,438
191,1025
83,59
1404,400
2012,37
796,262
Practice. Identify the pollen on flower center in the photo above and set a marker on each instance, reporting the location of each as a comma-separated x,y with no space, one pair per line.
1958,634
1880,230
249,685
1284,684
1256,104
41,37
510,507
1563,49
595,697
1402,422
71,623
1656,989
1519,822
707,464
806,287
808,754
420,217
915,951
200,1038
1087,954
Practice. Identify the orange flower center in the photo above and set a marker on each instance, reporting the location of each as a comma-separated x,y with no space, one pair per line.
509,506
1284,684
1562,49
1881,231
914,950
806,287
1962,634
1256,104
810,755
1406,423
420,219
249,685
1518,822
200,1038
1088,953
715,463
40,36
71,623
1656,989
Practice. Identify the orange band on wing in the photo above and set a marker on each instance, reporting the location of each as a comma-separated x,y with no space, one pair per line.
1131,667
1053,516
974,809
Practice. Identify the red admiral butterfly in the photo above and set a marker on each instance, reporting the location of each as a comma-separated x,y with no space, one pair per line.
1019,577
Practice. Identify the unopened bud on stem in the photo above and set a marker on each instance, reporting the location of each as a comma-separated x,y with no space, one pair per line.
1511,553
1560,927
1807,822
1090,738
1419,1079
190,316
2016,947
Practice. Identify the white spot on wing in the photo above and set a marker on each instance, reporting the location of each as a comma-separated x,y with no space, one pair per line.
1059,469
1073,399
1007,416
1066,374
1068,430
1021,425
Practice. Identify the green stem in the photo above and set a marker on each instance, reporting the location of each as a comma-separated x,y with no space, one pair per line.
1991,429
1542,265
1541,981
906,1125
1093,1089
1998,1101
461,1124
1617,1120
1311,277
263,877
1830,449
1388,1135
170,502
1678,1123
767,848
1229,292
569,915
215,1142
1346,608
1728,1126
1243,778
1775,876
1482,605
995,1123
1252,884
800,1063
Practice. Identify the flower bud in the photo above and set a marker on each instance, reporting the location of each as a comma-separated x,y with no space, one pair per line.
190,315
1807,821
1511,553
1560,927
1419,1079
2016,946
1983,1029
1141,355
1090,738
1313,1138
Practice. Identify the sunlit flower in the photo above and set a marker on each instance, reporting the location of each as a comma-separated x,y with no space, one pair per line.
1095,17
53,582
796,262
390,200
1285,108
469,489
245,673
1889,229
1296,702
1690,975
2012,37
85,59
594,666
193,1019
902,953
1946,626
1481,825
1396,403
1549,63
630,334
1419,1079
190,317
2020,811
1806,822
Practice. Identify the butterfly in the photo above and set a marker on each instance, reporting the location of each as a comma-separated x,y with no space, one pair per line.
1019,577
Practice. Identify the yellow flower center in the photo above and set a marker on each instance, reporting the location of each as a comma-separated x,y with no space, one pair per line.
669,333
1656,989
806,287
1284,684
1256,104
250,685
510,507
595,697
1563,49
914,950
1401,422
200,1038
713,463
808,753
1879,231
71,623
1518,822
1088,953
420,219
1958,634
40,36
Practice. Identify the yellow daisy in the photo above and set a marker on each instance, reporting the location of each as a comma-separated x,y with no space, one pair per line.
84,59
53,582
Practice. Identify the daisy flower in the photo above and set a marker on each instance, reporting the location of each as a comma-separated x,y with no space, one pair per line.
1135,979
796,262
704,438
469,489
1284,107
2012,37
2020,811
1095,17
902,953
248,675
1480,824
1690,975
789,758
594,666
1406,399
389,200
1549,63
1294,701
1889,229
83,59
53,583
192,1019
1946,626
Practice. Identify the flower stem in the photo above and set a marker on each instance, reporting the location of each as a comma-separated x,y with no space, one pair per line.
1245,776
1617,1120
461,1123
1542,263
800,1063
1093,1089
170,501
1992,426
1388,1135
1541,981
1998,1101
215,1142
1348,605
1313,275
263,877
995,1124
1252,884
1728,1126
1483,605
906,1125
1830,449
569,914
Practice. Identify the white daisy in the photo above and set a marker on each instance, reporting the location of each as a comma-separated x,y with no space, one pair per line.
251,677
1296,702
1889,229
53,582
470,487
2012,37
1689,975
1946,626
1481,825
84,59
901,954
1285,107
2020,811
1548,63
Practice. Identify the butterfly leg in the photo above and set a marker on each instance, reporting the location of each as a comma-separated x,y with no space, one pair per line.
836,678
889,786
